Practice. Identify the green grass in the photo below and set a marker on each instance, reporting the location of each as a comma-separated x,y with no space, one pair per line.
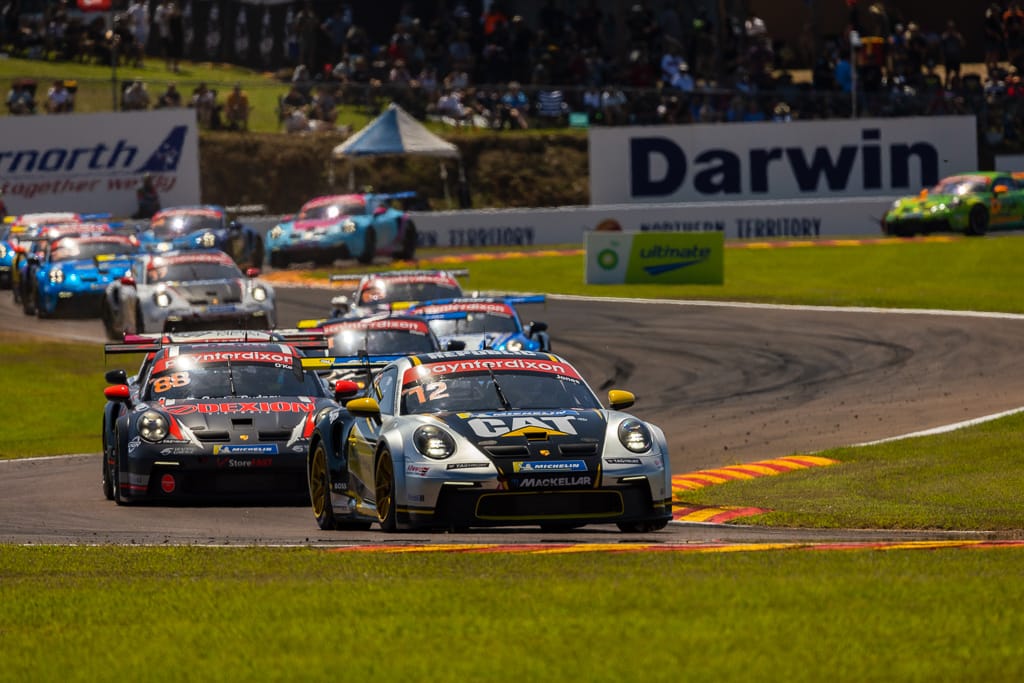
967,479
54,399
205,614
963,274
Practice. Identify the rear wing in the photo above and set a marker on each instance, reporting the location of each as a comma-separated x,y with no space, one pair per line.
355,278
360,362
150,343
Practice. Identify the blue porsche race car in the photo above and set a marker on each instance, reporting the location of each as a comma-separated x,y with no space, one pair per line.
71,273
203,226
345,226
485,323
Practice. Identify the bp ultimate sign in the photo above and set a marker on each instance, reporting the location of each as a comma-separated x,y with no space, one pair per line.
614,257
93,163
795,160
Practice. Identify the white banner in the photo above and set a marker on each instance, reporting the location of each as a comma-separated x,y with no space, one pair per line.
794,160
93,163
801,220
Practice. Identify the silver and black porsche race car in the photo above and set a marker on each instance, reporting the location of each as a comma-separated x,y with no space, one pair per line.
486,438
187,290
213,420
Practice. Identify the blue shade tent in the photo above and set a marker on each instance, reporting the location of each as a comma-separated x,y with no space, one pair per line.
398,132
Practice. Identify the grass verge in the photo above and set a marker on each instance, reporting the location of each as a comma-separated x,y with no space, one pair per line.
961,274
170,614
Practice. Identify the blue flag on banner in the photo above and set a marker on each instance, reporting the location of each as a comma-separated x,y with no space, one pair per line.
167,155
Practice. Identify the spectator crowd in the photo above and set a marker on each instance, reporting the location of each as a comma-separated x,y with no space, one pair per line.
662,61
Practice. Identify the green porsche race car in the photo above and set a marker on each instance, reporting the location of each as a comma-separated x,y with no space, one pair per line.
971,203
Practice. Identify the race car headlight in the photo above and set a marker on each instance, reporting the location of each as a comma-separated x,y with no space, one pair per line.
162,299
259,294
348,226
56,276
276,232
514,345
152,426
896,204
433,442
635,436
955,201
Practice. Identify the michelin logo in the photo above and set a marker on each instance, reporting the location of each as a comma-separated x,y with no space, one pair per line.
553,466
246,449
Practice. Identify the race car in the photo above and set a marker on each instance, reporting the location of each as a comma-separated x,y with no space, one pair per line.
149,344
10,233
214,420
31,245
344,226
485,323
971,203
199,289
203,227
72,272
381,292
487,438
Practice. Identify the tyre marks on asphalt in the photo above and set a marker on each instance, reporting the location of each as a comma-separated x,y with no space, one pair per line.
681,483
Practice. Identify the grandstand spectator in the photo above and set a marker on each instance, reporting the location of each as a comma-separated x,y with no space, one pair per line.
324,107
613,106
306,26
147,197
136,96
336,29
204,101
20,98
138,18
515,107
451,109
176,36
552,108
59,99
1013,32
161,20
169,98
952,52
237,108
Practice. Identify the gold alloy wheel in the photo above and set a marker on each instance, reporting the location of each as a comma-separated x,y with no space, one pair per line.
384,479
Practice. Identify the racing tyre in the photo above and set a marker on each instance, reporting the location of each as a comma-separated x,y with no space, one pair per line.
108,322
108,483
977,220
28,302
115,472
369,246
408,250
642,527
137,326
320,489
384,485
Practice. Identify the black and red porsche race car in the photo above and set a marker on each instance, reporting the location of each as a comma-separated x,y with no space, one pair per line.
222,420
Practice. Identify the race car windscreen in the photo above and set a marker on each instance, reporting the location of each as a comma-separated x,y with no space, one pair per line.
176,224
482,391
961,185
474,323
380,342
329,211
390,292
189,271
76,250
229,380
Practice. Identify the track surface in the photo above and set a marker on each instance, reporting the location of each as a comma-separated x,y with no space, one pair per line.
729,384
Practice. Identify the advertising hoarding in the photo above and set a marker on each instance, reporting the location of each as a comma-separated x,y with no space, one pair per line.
93,163
775,161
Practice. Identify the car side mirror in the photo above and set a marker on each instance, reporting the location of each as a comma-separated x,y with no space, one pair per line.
345,388
454,345
380,210
1000,189
127,281
923,194
536,326
252,272
620,400
116,377
364,407
119,393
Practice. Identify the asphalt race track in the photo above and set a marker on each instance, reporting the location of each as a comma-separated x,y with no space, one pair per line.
729,384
